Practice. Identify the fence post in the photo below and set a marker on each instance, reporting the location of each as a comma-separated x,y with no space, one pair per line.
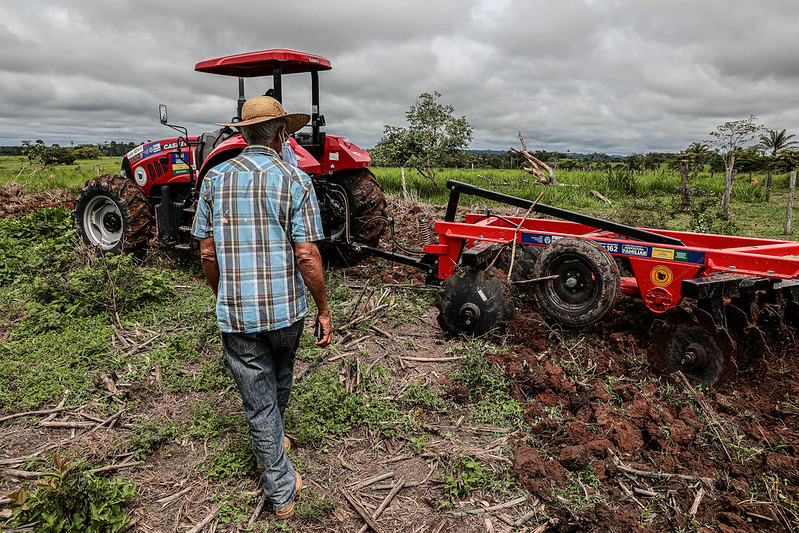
686,192
404,189
768,184
789,212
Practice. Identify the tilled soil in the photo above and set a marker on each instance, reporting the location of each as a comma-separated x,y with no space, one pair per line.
608,444
663,456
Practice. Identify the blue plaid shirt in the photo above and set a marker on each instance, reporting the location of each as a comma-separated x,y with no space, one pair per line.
256,207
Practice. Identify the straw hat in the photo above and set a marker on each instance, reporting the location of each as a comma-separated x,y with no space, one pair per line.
265,108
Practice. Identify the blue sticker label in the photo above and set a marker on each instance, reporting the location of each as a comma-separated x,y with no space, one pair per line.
151,149
627,248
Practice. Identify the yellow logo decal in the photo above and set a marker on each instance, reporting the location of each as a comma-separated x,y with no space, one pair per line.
663,253
661,276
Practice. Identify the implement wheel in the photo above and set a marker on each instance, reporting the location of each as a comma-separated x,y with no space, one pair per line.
472,304
112,214
587,286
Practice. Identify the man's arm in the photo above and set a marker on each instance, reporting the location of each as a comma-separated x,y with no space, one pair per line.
209,262
310,264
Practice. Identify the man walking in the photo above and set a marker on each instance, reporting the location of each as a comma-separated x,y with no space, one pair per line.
257,221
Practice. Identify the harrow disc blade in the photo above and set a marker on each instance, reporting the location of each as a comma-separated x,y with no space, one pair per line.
692,344
472,304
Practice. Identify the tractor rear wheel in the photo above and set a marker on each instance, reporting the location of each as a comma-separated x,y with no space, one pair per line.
367,205
368,220
587,285
112,214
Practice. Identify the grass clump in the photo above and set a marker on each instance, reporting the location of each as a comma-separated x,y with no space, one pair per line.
487,386
321,405
464,473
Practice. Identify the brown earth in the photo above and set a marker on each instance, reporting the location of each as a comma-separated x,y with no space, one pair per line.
607,445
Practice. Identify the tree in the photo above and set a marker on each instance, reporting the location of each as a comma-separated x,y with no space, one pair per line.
86,151
728,139
434,137
698,153
775,141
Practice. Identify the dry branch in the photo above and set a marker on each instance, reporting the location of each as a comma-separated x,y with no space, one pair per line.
206,520
697,500
360,510
385,504
256,513
370,481
55,410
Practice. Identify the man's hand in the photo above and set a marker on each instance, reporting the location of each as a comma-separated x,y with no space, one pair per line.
310,264
326,322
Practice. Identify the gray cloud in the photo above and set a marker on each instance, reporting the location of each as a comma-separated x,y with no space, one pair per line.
615,76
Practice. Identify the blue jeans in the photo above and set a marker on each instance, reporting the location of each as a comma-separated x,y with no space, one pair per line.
263,366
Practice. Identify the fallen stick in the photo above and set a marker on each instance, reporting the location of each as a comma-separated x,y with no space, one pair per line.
370,481
360,510
524,519
695,506
598,195
73,425
644,492
706,410
116,467
21,474
384,333
40,412
258,509
432,359
129,525
169,499
512,503
206,520
664,475
386,502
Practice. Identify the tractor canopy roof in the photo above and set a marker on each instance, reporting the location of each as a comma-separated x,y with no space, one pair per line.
252,64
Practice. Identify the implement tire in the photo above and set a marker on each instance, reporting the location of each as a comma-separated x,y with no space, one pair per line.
113,214
588,282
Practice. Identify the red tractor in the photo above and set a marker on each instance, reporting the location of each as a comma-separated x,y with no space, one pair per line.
155,196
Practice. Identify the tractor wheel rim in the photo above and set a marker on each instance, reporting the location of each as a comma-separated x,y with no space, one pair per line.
102,222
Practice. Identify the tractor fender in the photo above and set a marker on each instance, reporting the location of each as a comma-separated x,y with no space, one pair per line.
234,145
341,154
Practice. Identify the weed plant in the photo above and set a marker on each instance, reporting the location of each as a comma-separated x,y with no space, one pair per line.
71,499
464,473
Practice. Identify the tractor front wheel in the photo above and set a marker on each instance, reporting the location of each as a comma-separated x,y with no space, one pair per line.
112,214
585,282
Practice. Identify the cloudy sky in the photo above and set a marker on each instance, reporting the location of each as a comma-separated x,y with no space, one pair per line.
614,76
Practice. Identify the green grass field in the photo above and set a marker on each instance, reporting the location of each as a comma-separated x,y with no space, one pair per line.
17,170
649,200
